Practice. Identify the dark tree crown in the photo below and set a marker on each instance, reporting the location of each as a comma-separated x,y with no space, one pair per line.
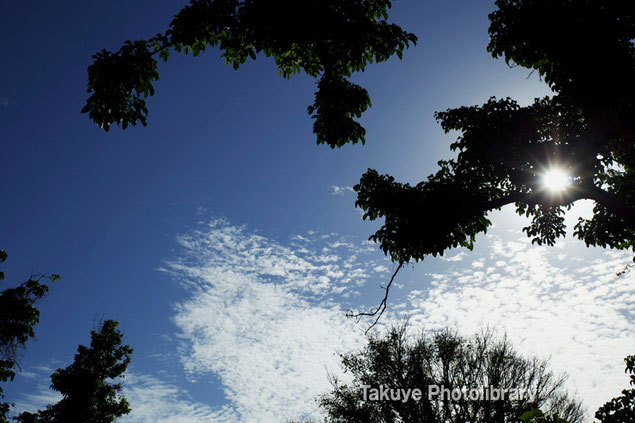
584,50
325,39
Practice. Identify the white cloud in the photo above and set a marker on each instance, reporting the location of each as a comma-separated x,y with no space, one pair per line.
254,333
39,398
154,400
580,315
335,190
456,257
253,319
267,320
40,395
264,318
151,400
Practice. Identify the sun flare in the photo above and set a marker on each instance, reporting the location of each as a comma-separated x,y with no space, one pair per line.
556,180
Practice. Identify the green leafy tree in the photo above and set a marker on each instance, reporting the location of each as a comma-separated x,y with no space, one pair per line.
90,393
621,409
325,39
446,359
585,130
18,317
506,152
584,51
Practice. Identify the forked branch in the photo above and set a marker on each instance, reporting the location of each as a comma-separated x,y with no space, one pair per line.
379,310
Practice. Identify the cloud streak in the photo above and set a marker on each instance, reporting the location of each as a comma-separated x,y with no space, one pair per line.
335,190
155,400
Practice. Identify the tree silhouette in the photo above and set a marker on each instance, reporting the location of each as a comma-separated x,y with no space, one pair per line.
329,39
90,394
506,153
446,359
621,409
18,317
585,131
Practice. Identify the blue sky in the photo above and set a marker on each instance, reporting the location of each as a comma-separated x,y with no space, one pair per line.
226,242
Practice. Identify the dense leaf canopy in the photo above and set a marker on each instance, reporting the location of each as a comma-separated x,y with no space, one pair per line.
584,50
89,387
326,39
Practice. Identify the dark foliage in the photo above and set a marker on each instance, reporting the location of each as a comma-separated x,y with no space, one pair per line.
18,317
584,50
621,409
445,358
325,39
88,386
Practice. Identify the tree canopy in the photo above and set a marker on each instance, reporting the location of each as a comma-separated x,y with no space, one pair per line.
478,364
325,39
18,317
89,387
621,409
584,51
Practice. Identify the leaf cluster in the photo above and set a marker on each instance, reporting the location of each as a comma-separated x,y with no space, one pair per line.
621,409
18,317
434,213
584,51
90,393
329,39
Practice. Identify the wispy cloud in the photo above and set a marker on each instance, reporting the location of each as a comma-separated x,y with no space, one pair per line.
581,314
152,400
253,308
335,190
155,400
267,318
456,257
38,398
40,395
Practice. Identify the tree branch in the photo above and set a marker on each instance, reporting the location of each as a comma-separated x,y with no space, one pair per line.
379,309
587,192
613,203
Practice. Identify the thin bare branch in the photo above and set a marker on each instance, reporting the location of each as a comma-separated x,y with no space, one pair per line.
379,310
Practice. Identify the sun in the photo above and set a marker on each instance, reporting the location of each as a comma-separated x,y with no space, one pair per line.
556,180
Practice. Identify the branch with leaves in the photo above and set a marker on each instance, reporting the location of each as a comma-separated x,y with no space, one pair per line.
325,39
18,317
585,130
